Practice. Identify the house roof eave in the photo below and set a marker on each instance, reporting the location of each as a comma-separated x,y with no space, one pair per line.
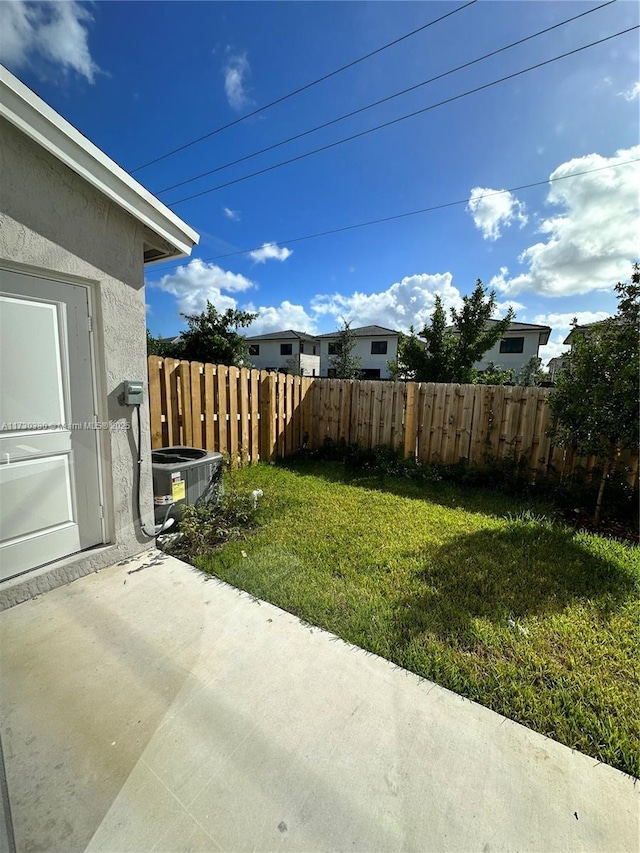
21,107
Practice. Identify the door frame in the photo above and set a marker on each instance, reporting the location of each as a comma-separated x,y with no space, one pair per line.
103,453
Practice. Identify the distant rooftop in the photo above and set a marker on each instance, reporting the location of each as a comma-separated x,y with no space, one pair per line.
364,332
286,334
582,329
523,327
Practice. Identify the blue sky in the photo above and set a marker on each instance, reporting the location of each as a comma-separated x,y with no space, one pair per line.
140,79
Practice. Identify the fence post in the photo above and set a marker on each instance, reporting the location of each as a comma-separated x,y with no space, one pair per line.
154,366
268,448
410,421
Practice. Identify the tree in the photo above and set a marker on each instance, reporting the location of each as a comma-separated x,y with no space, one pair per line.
344,363
493,374
411,358
213,337
165,349
595,401
531,373
449,354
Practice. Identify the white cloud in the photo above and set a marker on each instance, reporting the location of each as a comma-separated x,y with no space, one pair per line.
408,302
236,70
593,239
269,252
632,93
492,212
284,316
502,307
563,321
57,32
197,282
233,215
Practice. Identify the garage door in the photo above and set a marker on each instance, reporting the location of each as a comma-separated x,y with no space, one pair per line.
50,503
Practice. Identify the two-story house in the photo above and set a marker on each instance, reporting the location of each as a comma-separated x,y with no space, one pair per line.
291,351
374,345
519,345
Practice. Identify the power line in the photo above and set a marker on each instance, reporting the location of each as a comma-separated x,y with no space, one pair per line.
402,118
409,213
384,100
303,88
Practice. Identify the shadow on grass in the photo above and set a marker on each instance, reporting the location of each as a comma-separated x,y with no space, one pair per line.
452,495
528,569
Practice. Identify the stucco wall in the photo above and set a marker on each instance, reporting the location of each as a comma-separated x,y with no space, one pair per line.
363,350
270,356
51,221
514,360
310,364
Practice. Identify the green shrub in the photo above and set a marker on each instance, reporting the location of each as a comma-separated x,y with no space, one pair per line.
205,527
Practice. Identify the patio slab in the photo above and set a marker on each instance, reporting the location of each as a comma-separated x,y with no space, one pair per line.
147,708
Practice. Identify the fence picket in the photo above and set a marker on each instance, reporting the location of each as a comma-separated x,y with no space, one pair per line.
208,390
254,426
155,402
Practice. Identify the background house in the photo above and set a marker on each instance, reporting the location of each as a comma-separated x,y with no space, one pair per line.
374,345
583,331
75,233
555,366
519,345
288,350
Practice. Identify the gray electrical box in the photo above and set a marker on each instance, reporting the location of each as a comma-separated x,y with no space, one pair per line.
183,476
133,392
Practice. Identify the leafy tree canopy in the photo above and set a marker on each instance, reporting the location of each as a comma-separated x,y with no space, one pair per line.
595,402
449,353
344,363
210,336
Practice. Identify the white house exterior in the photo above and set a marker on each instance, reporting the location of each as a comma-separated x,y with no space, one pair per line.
374,345
519,345
75,232
286,350
555,366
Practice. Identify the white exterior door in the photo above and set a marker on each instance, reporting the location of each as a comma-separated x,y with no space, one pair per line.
50,503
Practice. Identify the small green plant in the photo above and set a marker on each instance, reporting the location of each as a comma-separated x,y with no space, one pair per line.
208,526
493,374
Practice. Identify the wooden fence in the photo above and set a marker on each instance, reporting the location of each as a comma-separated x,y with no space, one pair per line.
252,415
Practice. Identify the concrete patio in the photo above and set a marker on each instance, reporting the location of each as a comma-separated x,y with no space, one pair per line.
145,708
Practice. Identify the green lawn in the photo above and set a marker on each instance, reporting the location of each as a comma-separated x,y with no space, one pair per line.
466,588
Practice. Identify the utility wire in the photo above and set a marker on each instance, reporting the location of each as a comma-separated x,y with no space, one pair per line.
303,88
384,100
403,118
410,213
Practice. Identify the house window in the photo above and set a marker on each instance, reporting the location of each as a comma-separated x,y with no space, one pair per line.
286,349
512,345
334,348
254,349
301,347
378,347
370,373
314,349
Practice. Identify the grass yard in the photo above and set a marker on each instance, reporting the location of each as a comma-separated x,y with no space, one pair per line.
466,588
